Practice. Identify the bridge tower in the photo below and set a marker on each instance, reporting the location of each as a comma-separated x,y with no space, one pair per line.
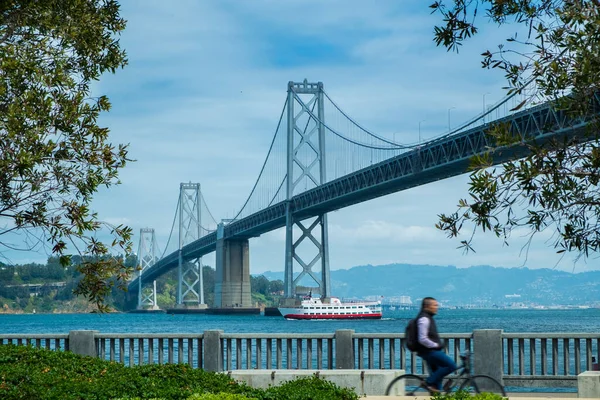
305,166
190,285
146,258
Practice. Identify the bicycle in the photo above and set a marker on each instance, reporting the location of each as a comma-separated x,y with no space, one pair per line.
415,384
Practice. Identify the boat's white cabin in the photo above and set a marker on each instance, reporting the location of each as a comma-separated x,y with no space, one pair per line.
334,301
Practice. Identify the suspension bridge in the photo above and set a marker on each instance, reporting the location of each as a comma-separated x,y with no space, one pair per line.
321,160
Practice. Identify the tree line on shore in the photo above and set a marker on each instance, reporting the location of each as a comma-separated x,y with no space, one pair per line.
47,288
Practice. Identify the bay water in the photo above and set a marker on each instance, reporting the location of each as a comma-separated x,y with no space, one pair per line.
448,321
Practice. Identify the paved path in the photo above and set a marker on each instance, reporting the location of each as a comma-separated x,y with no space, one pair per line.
515,396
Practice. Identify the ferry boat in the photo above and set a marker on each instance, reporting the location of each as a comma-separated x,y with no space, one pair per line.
314,308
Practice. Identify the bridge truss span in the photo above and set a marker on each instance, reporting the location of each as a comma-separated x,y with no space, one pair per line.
440,158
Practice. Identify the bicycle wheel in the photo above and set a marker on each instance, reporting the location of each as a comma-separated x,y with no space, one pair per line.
481,384
407,385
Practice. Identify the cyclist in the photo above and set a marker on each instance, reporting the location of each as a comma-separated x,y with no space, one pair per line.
430,346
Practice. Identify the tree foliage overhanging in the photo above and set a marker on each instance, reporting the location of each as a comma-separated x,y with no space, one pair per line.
54,155
556,46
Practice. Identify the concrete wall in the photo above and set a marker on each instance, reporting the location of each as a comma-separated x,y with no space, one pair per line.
588,385
487,344
365,382
232,277
83,343
487,353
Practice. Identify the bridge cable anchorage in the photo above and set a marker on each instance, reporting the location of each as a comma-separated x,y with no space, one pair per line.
341,136
264,164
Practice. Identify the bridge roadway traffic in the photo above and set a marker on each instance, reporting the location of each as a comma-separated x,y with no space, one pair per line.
437,159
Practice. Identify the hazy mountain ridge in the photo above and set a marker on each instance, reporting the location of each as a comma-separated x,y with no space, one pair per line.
481,285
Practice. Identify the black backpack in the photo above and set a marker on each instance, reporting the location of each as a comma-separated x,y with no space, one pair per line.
411,335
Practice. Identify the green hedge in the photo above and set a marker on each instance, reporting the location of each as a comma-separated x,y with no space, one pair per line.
464,395
29,373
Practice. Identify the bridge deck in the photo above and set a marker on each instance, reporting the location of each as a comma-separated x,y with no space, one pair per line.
435,160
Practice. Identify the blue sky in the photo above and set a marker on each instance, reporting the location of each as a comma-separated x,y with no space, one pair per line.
206,81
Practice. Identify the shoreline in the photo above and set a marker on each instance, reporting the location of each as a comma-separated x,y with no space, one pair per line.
537,308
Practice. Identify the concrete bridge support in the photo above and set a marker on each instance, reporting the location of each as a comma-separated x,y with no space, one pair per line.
232,279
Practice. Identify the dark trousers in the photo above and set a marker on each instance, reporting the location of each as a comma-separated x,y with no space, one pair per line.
440,365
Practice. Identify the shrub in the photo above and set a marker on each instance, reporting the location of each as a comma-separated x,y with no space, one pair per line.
219,396
309,388
29,373
38,373
464,395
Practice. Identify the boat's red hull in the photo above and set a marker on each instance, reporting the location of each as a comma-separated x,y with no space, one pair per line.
333,316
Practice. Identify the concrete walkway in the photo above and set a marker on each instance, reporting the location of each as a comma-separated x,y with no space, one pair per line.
511,396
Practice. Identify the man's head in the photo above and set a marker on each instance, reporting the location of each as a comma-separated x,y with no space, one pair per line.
430,305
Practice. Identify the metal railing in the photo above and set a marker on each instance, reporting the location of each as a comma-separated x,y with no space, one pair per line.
140,349
278,351
548,359
272,351
388,351
527,359
46,341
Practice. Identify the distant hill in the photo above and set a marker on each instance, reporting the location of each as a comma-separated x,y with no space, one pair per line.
482,285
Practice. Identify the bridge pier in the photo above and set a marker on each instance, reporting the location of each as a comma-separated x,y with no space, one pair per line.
305,133
190,283
232,279
146,258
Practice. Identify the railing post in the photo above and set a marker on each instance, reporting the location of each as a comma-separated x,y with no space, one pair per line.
488,355
213,353
588,384
344,349
83,343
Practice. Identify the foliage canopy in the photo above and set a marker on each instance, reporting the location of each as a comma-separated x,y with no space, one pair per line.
55,156
554,55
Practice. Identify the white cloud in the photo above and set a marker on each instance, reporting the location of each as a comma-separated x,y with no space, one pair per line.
372,231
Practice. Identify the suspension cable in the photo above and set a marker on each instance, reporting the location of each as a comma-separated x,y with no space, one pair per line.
207,209
206,229
278,190
264,164
397,145
172,227
455,130
345,138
